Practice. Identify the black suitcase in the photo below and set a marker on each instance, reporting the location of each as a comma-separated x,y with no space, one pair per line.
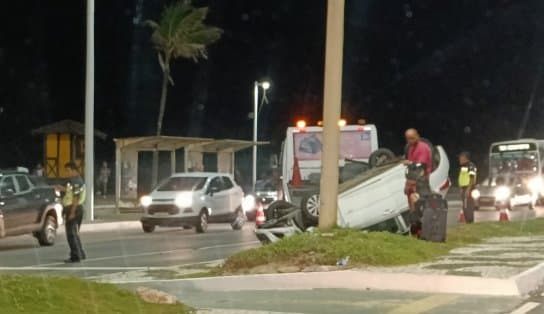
435,218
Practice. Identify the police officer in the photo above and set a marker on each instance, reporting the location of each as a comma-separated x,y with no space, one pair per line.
72,202
467,180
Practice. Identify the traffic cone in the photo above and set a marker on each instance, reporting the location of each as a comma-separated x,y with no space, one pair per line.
260,218
462,217
297,179
504,215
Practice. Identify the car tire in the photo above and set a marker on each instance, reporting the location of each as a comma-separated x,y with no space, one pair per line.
48,233
202,224
380,157
276,209
310,209
148,228
187,227
239,220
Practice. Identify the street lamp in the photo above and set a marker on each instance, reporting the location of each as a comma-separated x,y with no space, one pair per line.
265,86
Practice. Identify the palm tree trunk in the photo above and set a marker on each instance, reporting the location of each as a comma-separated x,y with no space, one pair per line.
164,94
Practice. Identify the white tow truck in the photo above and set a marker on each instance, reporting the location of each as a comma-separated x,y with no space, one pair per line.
372,180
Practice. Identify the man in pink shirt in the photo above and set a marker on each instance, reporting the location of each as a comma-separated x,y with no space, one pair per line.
417,152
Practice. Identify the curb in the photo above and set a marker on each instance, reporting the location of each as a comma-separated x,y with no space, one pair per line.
520,285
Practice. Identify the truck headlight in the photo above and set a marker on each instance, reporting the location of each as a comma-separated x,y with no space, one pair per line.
146,201
475,194
184,200
502,193
248,203
535,185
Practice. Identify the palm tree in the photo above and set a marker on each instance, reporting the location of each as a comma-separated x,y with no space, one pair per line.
180,33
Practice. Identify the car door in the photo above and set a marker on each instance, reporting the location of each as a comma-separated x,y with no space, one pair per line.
10,205
219,197
29,214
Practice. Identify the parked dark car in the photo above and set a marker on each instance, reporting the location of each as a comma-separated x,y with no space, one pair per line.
28,206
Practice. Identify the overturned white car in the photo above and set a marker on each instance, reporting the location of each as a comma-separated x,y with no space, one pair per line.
372,198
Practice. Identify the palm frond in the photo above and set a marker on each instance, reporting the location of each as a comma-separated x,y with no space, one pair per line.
181,32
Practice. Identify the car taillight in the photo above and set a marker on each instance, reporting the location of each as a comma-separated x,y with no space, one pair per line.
446,185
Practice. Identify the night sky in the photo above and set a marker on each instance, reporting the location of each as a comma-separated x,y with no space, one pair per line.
461,71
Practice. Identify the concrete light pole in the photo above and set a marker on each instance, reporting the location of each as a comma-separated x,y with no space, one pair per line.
89,113
332,100
265,85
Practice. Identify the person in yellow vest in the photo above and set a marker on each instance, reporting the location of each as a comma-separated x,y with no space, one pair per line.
467,180
72,202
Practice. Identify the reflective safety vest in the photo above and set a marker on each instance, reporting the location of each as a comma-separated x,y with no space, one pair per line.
74,187
465,173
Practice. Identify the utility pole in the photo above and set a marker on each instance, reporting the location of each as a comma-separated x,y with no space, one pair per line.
89,113
332,100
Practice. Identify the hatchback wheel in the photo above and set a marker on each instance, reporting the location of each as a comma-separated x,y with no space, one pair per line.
202,225
148,228
48,234
240,220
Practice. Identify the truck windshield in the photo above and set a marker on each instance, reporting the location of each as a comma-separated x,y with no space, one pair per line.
353,145
514,162
182,184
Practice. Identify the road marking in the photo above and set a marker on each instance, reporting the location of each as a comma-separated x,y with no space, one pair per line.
228,245
425,304
526,308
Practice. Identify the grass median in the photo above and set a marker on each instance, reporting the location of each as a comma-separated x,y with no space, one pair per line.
35,294
372,248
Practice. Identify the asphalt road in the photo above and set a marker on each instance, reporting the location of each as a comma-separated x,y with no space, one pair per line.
127,249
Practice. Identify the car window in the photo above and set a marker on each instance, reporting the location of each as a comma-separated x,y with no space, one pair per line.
182,184
227,183
24,186
217,184
7,184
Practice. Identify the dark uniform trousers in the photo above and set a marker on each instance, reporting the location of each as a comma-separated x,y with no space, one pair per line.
468,204
72,233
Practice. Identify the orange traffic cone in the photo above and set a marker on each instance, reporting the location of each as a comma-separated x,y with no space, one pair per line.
297,179
504,216
260,218
462,217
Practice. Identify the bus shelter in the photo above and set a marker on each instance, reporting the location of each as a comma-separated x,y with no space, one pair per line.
194,148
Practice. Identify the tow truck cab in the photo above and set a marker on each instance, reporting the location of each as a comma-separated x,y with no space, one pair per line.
304,144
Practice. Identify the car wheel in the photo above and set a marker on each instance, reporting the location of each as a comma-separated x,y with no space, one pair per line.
310,208
148,228
380,157
240,220
187,227
202,225
277,209
48,234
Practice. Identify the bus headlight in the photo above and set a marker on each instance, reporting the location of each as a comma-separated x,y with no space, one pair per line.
502,193
184,200
475,194
146,201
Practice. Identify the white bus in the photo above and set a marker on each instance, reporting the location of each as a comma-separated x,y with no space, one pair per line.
523,158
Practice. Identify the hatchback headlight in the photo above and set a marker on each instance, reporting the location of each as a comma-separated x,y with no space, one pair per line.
184,200
475,194
249,203
146,201
502,193
535,185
